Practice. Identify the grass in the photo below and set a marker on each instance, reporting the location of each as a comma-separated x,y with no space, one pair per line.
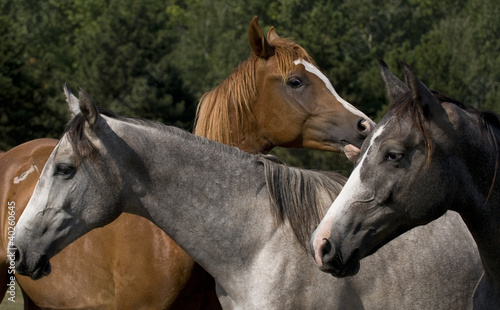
9,305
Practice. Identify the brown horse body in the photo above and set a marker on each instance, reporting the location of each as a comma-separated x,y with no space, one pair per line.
132,264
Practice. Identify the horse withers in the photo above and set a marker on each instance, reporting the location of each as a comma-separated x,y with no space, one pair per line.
428,154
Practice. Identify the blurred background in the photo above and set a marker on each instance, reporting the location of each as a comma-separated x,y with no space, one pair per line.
154,59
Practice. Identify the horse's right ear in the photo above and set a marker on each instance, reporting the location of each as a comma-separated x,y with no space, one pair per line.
421,94
258,42
73,102
395,87
88,108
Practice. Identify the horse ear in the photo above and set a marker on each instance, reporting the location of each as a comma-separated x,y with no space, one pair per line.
259,44
421,94
272,35
88,108
395,88
73,102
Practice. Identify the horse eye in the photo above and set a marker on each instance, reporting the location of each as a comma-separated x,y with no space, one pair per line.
295,82
391,156
64,170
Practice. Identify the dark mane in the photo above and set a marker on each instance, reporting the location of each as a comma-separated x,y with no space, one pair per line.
488,124
295,195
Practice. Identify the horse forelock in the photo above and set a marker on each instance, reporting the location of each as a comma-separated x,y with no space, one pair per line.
295,196
83,148
405,106
287,52
231,100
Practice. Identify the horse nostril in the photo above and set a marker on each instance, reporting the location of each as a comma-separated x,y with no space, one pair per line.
327,248
17,255
322,252
363,125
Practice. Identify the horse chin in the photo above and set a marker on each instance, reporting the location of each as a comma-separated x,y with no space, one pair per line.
351,152
340,268
346,271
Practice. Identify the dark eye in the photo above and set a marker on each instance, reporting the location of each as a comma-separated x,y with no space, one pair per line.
295,82
64,170
391,156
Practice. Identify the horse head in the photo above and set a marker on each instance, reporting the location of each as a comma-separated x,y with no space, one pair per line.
406,176
68,170
278,97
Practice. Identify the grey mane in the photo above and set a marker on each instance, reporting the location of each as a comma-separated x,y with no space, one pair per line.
295,195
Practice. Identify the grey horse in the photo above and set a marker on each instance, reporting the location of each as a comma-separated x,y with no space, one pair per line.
429,154
244,218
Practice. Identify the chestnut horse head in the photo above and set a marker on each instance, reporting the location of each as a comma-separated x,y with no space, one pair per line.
278,97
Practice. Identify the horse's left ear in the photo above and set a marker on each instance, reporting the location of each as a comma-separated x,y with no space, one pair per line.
258,42
73,103
395,88
420,93
272,35
88,108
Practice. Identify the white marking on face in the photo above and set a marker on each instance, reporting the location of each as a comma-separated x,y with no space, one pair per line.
343,201
314,70
353,184
39,197
25,174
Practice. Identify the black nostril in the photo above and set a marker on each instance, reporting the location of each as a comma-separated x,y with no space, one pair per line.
363,125
17,255
326,248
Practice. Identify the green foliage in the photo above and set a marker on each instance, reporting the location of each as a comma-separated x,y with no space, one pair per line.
154,59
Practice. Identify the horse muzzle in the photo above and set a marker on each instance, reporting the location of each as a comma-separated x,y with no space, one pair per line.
332,260
35,266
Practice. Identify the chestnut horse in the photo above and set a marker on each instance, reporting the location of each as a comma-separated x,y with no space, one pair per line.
279,98
114,266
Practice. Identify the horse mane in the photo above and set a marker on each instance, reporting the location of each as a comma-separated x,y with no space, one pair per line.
230,102
488,124
294,195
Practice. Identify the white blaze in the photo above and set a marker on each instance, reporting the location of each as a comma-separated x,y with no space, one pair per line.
342,202
312,69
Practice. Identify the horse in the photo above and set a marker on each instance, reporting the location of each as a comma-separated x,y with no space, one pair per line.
428,154
244,218
106,268
278,97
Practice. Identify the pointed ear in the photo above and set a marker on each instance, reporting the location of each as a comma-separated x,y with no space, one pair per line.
421,94
260,46
88,108
73,102
272,35
395,88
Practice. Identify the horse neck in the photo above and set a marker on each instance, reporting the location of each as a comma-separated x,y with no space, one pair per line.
481,193
209,198
229,114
